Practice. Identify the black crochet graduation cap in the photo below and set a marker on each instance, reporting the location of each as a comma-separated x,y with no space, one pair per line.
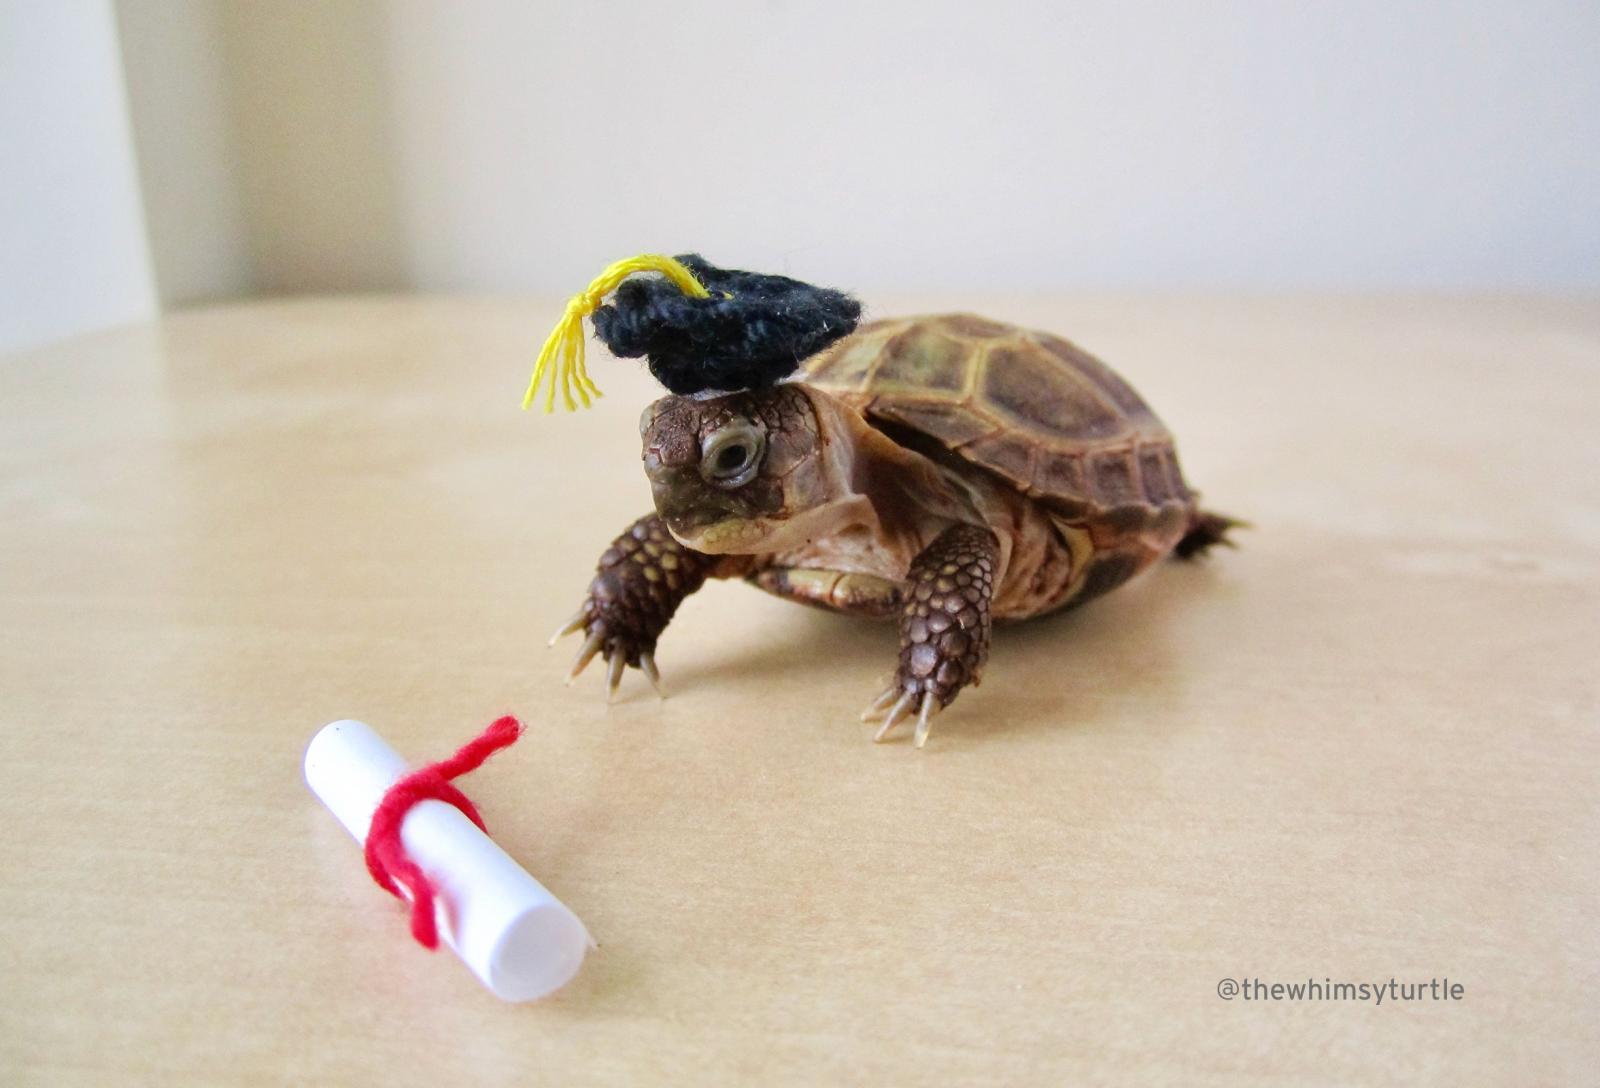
701,327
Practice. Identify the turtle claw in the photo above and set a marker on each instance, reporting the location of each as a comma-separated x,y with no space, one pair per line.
615,663
925,715
647,662
579,620
896,704
885,699
586,654
901,708
614,652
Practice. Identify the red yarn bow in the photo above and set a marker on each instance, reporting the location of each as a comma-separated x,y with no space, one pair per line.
386,856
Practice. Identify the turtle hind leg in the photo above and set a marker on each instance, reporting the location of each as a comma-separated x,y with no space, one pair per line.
1206,531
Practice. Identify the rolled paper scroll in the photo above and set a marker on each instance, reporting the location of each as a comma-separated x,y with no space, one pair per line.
521,941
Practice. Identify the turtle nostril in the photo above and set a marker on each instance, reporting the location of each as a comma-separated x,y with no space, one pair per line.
670,447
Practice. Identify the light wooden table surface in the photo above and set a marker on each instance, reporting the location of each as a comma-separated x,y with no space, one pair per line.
1361,747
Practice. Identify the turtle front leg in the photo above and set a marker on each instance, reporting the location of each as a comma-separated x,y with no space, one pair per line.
638,584
944,628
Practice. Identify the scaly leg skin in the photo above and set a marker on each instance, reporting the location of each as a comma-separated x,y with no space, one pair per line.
638,584
944,629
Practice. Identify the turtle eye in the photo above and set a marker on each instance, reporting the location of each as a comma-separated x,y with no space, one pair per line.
730,456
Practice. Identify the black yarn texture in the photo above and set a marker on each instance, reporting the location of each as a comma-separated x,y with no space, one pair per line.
750,341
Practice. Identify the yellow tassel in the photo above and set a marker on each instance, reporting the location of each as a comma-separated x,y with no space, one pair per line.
563,351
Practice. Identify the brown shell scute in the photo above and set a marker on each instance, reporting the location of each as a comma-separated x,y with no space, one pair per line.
1023,385
1031,407
922,359
1106,380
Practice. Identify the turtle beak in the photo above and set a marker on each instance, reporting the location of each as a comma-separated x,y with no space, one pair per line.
680,495
699,515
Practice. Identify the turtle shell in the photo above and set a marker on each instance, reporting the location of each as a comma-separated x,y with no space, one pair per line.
1036,410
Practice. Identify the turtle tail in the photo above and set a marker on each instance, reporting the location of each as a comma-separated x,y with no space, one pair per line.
1206,530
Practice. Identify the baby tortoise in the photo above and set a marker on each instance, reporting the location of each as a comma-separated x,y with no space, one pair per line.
946,472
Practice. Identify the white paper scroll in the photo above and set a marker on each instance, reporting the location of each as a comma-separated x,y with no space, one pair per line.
520,940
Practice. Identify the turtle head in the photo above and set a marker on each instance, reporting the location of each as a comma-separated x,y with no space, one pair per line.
741,473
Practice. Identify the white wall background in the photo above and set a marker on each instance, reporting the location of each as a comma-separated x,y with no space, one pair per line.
72,243
180,95
508,145
1010,145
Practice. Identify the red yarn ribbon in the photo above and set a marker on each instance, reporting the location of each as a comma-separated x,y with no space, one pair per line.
386,856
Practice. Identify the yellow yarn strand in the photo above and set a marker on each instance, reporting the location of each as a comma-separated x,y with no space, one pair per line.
562,356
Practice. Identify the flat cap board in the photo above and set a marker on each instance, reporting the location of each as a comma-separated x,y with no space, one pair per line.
1361,747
